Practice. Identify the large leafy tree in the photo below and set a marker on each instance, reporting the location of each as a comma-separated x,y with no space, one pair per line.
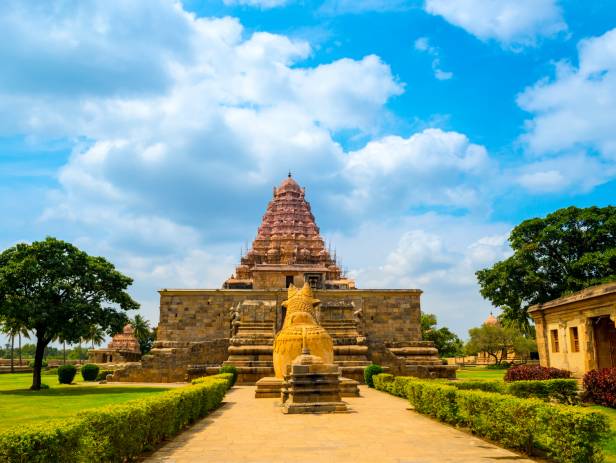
447,342
58,291
564,252
497,341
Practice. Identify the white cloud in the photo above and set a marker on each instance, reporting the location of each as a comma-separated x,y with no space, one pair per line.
572,129
578,107
263,4
513,23
422,44
436,253
429,168
572,173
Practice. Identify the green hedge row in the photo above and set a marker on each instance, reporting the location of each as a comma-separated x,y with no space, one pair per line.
564,391
567,434
114,433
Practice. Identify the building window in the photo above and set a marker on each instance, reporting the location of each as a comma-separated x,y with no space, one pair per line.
289,281
554,337
575,339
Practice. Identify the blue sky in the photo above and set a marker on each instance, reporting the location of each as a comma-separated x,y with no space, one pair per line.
151,132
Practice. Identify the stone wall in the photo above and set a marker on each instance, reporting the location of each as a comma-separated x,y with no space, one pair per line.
195,325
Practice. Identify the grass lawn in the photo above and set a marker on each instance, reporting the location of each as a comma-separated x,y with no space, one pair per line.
19,406
610,445
480,373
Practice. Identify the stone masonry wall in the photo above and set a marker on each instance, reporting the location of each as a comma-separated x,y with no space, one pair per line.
195,325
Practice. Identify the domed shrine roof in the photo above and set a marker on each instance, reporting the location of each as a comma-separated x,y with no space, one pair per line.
491,320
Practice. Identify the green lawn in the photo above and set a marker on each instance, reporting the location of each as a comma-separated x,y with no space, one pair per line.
610,446
19,406
480,373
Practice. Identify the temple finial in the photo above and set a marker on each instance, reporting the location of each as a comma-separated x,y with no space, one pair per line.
289,173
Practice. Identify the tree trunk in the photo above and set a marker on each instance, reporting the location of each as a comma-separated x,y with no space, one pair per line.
19,349
12,353
64,352
38,362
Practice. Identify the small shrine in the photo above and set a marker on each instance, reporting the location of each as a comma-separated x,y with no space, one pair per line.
124,347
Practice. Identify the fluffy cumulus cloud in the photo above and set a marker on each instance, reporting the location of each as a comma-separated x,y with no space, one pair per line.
513,23
436,253
429,168
572,128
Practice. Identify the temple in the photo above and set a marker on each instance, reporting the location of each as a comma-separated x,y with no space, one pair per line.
201,329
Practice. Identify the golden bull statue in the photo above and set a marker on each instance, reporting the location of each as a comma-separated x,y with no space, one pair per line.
300,326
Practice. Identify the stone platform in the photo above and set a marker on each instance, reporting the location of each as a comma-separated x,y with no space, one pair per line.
271,387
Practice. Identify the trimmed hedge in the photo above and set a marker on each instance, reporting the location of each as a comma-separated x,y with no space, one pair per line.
567,434
66,373
564,391
370,371
534,372
230,369
600,386
89,372
114,433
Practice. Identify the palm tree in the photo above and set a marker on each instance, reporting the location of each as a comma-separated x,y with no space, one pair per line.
13,329
96,335
141,328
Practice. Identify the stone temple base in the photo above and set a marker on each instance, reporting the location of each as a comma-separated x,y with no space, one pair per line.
271,388
311,386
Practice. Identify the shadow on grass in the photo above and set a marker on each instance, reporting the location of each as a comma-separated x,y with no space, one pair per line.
82,390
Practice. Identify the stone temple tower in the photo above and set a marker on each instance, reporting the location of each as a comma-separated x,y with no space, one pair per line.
288,248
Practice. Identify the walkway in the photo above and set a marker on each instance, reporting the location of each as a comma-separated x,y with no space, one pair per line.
380,429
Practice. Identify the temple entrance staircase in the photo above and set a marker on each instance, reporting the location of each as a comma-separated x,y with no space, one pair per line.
253,325
350,346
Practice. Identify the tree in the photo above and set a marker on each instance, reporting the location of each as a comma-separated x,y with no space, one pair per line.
56,290
447,343
497,341
96,335
566,251
13,329
144,334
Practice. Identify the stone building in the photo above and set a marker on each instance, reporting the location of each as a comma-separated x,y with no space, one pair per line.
201,329
123,348
577,332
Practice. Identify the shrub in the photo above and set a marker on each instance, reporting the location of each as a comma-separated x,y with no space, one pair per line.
230,369
66,374
31,364
369,372
564,391
102,375
534,372
114,433
565,433
89,372
499,366
42,443
600,386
